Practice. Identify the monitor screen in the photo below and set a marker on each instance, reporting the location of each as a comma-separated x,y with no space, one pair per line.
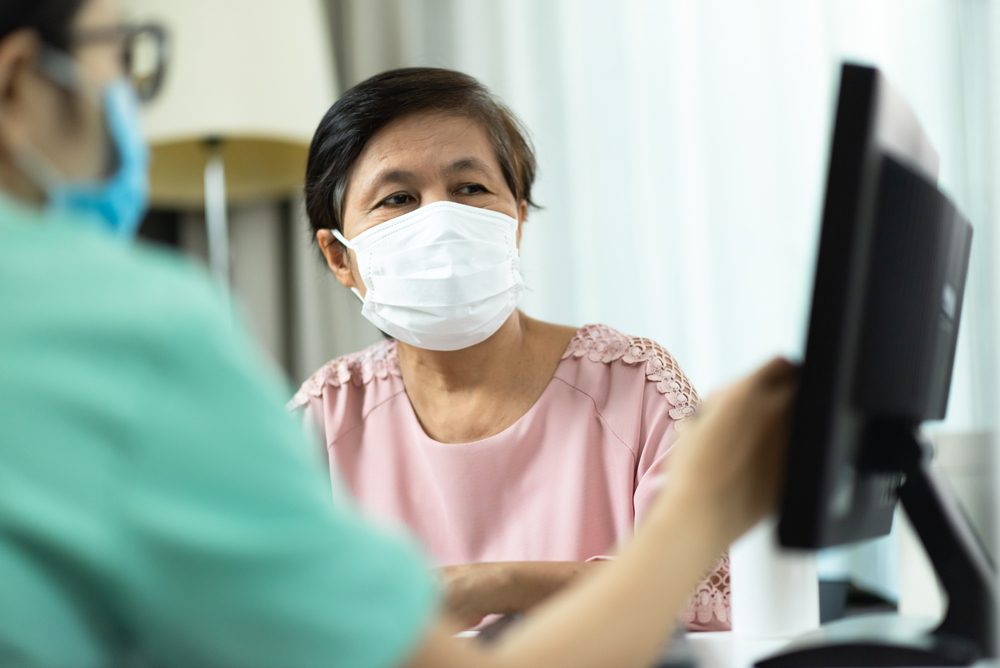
883,326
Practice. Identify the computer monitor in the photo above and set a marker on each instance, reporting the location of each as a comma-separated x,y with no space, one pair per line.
887,299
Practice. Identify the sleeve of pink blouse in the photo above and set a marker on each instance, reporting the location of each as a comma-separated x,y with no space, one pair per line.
667,403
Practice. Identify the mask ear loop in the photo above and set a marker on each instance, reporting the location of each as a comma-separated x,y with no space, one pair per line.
60,69
347,244
340,237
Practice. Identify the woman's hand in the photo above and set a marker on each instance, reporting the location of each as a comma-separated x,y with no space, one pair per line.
474,591
729,461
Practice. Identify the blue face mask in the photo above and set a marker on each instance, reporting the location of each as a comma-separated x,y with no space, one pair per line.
119,202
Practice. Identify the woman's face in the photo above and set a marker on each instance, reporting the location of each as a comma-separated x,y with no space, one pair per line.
66,127
414,161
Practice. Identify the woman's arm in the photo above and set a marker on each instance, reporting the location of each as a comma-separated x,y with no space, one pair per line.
505,587
621,615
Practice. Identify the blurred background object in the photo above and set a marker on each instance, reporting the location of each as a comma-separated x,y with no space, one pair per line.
682,148
246,86
254,76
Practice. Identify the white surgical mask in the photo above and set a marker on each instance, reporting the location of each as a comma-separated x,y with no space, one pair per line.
443,277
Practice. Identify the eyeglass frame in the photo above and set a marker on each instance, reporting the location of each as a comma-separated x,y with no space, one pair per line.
61,68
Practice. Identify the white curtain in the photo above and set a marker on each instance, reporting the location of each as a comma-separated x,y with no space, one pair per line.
683,147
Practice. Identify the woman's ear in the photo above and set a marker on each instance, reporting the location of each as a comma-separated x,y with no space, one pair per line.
17,52
337,258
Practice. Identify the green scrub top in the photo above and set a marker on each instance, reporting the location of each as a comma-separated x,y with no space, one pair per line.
157,504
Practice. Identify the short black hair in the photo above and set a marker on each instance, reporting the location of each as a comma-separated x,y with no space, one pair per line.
51,19
371,105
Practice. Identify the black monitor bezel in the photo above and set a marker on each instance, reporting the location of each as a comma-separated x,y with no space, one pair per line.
872,121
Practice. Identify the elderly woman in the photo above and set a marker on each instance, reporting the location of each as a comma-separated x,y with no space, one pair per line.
518,450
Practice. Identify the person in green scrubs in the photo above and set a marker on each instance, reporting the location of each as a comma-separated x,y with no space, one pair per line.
157,504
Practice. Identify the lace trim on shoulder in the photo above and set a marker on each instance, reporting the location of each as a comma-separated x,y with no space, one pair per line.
600,343
378,361
709,605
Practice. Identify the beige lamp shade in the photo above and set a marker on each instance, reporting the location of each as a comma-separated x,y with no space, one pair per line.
257,75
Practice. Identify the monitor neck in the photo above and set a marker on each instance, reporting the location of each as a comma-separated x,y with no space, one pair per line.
961,563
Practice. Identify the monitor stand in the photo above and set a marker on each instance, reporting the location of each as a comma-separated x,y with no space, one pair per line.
968,632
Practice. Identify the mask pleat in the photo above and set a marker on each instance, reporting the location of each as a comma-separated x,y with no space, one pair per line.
475,319
438,260
424,292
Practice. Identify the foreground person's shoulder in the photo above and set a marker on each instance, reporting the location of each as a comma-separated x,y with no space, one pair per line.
146,301
354,372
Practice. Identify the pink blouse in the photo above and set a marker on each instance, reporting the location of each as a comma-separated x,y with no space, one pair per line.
566,482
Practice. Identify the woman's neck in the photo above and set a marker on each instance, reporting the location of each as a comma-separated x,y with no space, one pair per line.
466,395
487,362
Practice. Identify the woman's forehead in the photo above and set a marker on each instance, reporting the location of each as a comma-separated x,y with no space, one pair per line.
426,141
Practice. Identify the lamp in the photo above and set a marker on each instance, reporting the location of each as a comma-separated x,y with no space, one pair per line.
247,83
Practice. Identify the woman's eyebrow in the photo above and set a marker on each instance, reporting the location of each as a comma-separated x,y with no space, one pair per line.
400,176
370,190
467,164
405,177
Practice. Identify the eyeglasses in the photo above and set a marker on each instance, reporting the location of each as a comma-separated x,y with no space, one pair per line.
145,53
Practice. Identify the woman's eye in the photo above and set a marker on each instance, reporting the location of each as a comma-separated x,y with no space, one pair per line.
395,200
472,189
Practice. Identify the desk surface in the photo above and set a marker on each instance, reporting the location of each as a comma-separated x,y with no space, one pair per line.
726,650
